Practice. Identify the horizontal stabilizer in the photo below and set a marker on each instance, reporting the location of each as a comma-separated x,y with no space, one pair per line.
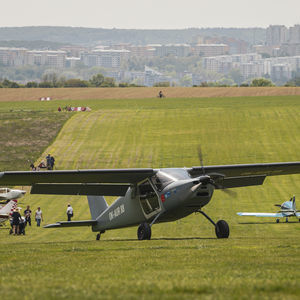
80,189
72,224
274,215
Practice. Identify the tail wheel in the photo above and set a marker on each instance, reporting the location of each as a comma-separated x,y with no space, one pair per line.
222,229
144,232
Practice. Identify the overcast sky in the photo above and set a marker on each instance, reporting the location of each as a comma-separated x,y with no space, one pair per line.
156,14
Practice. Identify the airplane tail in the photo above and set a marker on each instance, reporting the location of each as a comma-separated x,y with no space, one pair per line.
9,207
294,203
97,205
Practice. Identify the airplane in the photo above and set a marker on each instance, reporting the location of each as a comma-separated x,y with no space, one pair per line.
146,196
7,194
287,209
6,211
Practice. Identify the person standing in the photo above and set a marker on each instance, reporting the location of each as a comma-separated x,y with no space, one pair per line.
27,214
52,162
38,217
48,160
69,212
16,221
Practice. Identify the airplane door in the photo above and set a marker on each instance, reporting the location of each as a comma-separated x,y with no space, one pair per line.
149,199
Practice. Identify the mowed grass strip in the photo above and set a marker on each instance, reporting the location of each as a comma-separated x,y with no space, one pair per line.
34,94
184,259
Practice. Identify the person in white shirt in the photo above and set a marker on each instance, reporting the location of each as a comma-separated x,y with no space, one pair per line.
69,212
38,217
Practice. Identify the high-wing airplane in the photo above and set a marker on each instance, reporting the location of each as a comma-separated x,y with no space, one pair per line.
7,194
287,209
6,210
147,196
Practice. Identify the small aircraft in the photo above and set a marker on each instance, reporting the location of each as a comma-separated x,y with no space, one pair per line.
7,194
6,210
146,196
287,209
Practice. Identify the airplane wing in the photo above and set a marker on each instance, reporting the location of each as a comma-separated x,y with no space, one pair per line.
23,178
229,176
274,215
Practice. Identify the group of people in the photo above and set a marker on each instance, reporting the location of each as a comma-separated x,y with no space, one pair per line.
49,165
19,223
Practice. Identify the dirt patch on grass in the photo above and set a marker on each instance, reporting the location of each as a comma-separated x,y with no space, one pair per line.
25,135
24,94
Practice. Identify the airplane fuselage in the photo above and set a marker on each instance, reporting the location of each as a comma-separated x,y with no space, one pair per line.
179,198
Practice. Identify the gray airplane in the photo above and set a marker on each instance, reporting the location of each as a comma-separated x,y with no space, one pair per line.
146,196
287,210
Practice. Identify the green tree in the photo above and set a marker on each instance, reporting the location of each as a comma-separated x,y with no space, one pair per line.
76,83
31,84
97,80
108,82
261,82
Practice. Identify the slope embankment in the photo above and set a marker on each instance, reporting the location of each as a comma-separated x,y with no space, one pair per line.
24,94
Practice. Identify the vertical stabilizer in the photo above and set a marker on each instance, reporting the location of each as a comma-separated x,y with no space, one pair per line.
97,205
9,207
294,203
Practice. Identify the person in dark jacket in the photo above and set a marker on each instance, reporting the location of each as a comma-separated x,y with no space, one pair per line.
52,162
48,160
16,221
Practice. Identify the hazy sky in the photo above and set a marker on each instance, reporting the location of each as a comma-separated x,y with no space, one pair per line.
154,14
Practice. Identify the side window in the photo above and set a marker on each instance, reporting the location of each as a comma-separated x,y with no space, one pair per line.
148,198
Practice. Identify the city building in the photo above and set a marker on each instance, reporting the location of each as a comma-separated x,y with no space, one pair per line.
13,56
210,49
104,58
276,35
54,59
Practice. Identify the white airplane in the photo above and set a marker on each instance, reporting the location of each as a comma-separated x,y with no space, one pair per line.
10,194
7,210
287,209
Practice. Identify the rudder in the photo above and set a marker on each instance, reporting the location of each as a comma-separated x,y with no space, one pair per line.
97,205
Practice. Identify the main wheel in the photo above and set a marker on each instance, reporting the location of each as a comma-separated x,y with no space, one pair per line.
144,232
277,220
98,236
222,229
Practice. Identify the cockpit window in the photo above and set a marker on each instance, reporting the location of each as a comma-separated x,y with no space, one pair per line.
161,180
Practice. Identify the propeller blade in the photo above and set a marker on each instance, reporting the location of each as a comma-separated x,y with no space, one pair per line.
229,192
200,156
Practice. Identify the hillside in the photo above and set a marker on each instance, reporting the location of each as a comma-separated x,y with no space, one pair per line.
33,94
92,36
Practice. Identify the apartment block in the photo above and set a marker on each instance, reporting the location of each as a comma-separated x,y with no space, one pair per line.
210,49
13,56
276,35
54,59
104,58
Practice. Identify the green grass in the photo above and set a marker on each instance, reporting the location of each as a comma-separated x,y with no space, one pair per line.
184,259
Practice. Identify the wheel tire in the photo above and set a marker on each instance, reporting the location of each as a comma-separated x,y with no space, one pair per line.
144,232
222,229
277,220
98,237
286,220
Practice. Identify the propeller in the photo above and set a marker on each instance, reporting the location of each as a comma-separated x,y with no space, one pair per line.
278,205
210,179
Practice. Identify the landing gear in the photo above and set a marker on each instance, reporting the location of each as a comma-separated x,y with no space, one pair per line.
99,235
277,220
286,220
144,232
221,227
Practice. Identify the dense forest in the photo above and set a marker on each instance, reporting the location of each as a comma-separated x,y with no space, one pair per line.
91,36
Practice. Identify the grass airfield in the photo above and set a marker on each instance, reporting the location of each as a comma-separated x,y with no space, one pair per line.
183,259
